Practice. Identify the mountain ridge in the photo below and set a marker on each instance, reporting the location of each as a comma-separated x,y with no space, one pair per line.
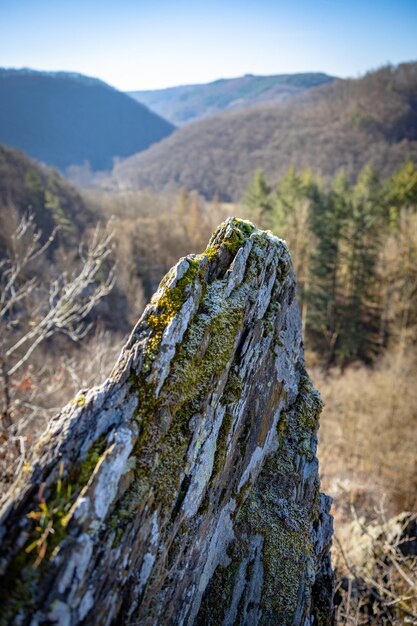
64,119
343,125
183,104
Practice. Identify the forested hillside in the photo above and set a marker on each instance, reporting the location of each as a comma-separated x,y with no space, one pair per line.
346,124
64,119
189,103
39,208
26,185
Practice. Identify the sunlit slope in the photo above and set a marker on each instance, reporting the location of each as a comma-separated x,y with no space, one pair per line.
342,125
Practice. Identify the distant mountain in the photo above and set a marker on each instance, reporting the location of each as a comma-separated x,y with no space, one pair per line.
188,103
66,119
342,125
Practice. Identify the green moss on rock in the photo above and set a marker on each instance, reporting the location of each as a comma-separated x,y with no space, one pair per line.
48,528
201,357
270,509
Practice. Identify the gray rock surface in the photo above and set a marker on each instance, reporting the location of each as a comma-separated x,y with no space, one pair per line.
185,489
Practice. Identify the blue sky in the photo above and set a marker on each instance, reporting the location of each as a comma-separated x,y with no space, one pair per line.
133,44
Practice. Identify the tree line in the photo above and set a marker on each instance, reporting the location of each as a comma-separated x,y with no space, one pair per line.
354,247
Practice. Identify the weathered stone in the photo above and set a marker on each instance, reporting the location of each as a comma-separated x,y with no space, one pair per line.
185,489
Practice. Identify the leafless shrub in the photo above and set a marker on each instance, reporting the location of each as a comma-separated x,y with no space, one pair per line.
32,311
377,572
48,382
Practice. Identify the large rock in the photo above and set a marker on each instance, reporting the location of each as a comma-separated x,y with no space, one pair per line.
185,489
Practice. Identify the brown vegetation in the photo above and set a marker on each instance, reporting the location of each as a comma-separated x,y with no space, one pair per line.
376,565
368,436
346,124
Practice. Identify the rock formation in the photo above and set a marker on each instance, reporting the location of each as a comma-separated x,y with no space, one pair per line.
185,489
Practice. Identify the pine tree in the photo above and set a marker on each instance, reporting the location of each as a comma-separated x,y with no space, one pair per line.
359,314
258,199
329,211
290,220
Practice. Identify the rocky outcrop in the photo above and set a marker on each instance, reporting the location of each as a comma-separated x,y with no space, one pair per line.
185,489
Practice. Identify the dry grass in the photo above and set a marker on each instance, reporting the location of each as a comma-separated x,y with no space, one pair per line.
368,455
368,434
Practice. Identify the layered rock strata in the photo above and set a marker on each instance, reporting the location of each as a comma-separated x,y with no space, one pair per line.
185,489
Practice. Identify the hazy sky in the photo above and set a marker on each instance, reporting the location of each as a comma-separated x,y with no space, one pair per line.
137,44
